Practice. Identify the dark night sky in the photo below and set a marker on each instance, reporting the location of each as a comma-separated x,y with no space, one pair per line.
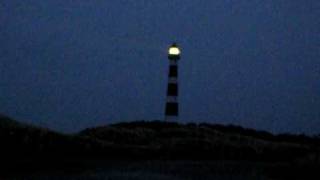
71,64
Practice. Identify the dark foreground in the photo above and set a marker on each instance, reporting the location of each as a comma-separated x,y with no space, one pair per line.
155,150
165,170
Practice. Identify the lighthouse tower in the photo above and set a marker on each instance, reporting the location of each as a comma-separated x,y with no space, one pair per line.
172,105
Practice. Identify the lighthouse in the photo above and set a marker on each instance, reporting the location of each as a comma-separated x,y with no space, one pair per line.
172,103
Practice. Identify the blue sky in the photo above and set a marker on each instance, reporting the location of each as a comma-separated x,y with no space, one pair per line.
72,64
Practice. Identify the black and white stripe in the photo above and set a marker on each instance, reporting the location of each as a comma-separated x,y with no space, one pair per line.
172,105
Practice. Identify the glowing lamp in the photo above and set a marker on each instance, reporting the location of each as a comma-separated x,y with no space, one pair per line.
174,52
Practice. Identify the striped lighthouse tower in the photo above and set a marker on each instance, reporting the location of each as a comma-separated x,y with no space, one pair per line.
172,105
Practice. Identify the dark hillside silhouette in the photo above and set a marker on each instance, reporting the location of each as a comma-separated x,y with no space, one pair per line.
27,146
206,141
157,140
